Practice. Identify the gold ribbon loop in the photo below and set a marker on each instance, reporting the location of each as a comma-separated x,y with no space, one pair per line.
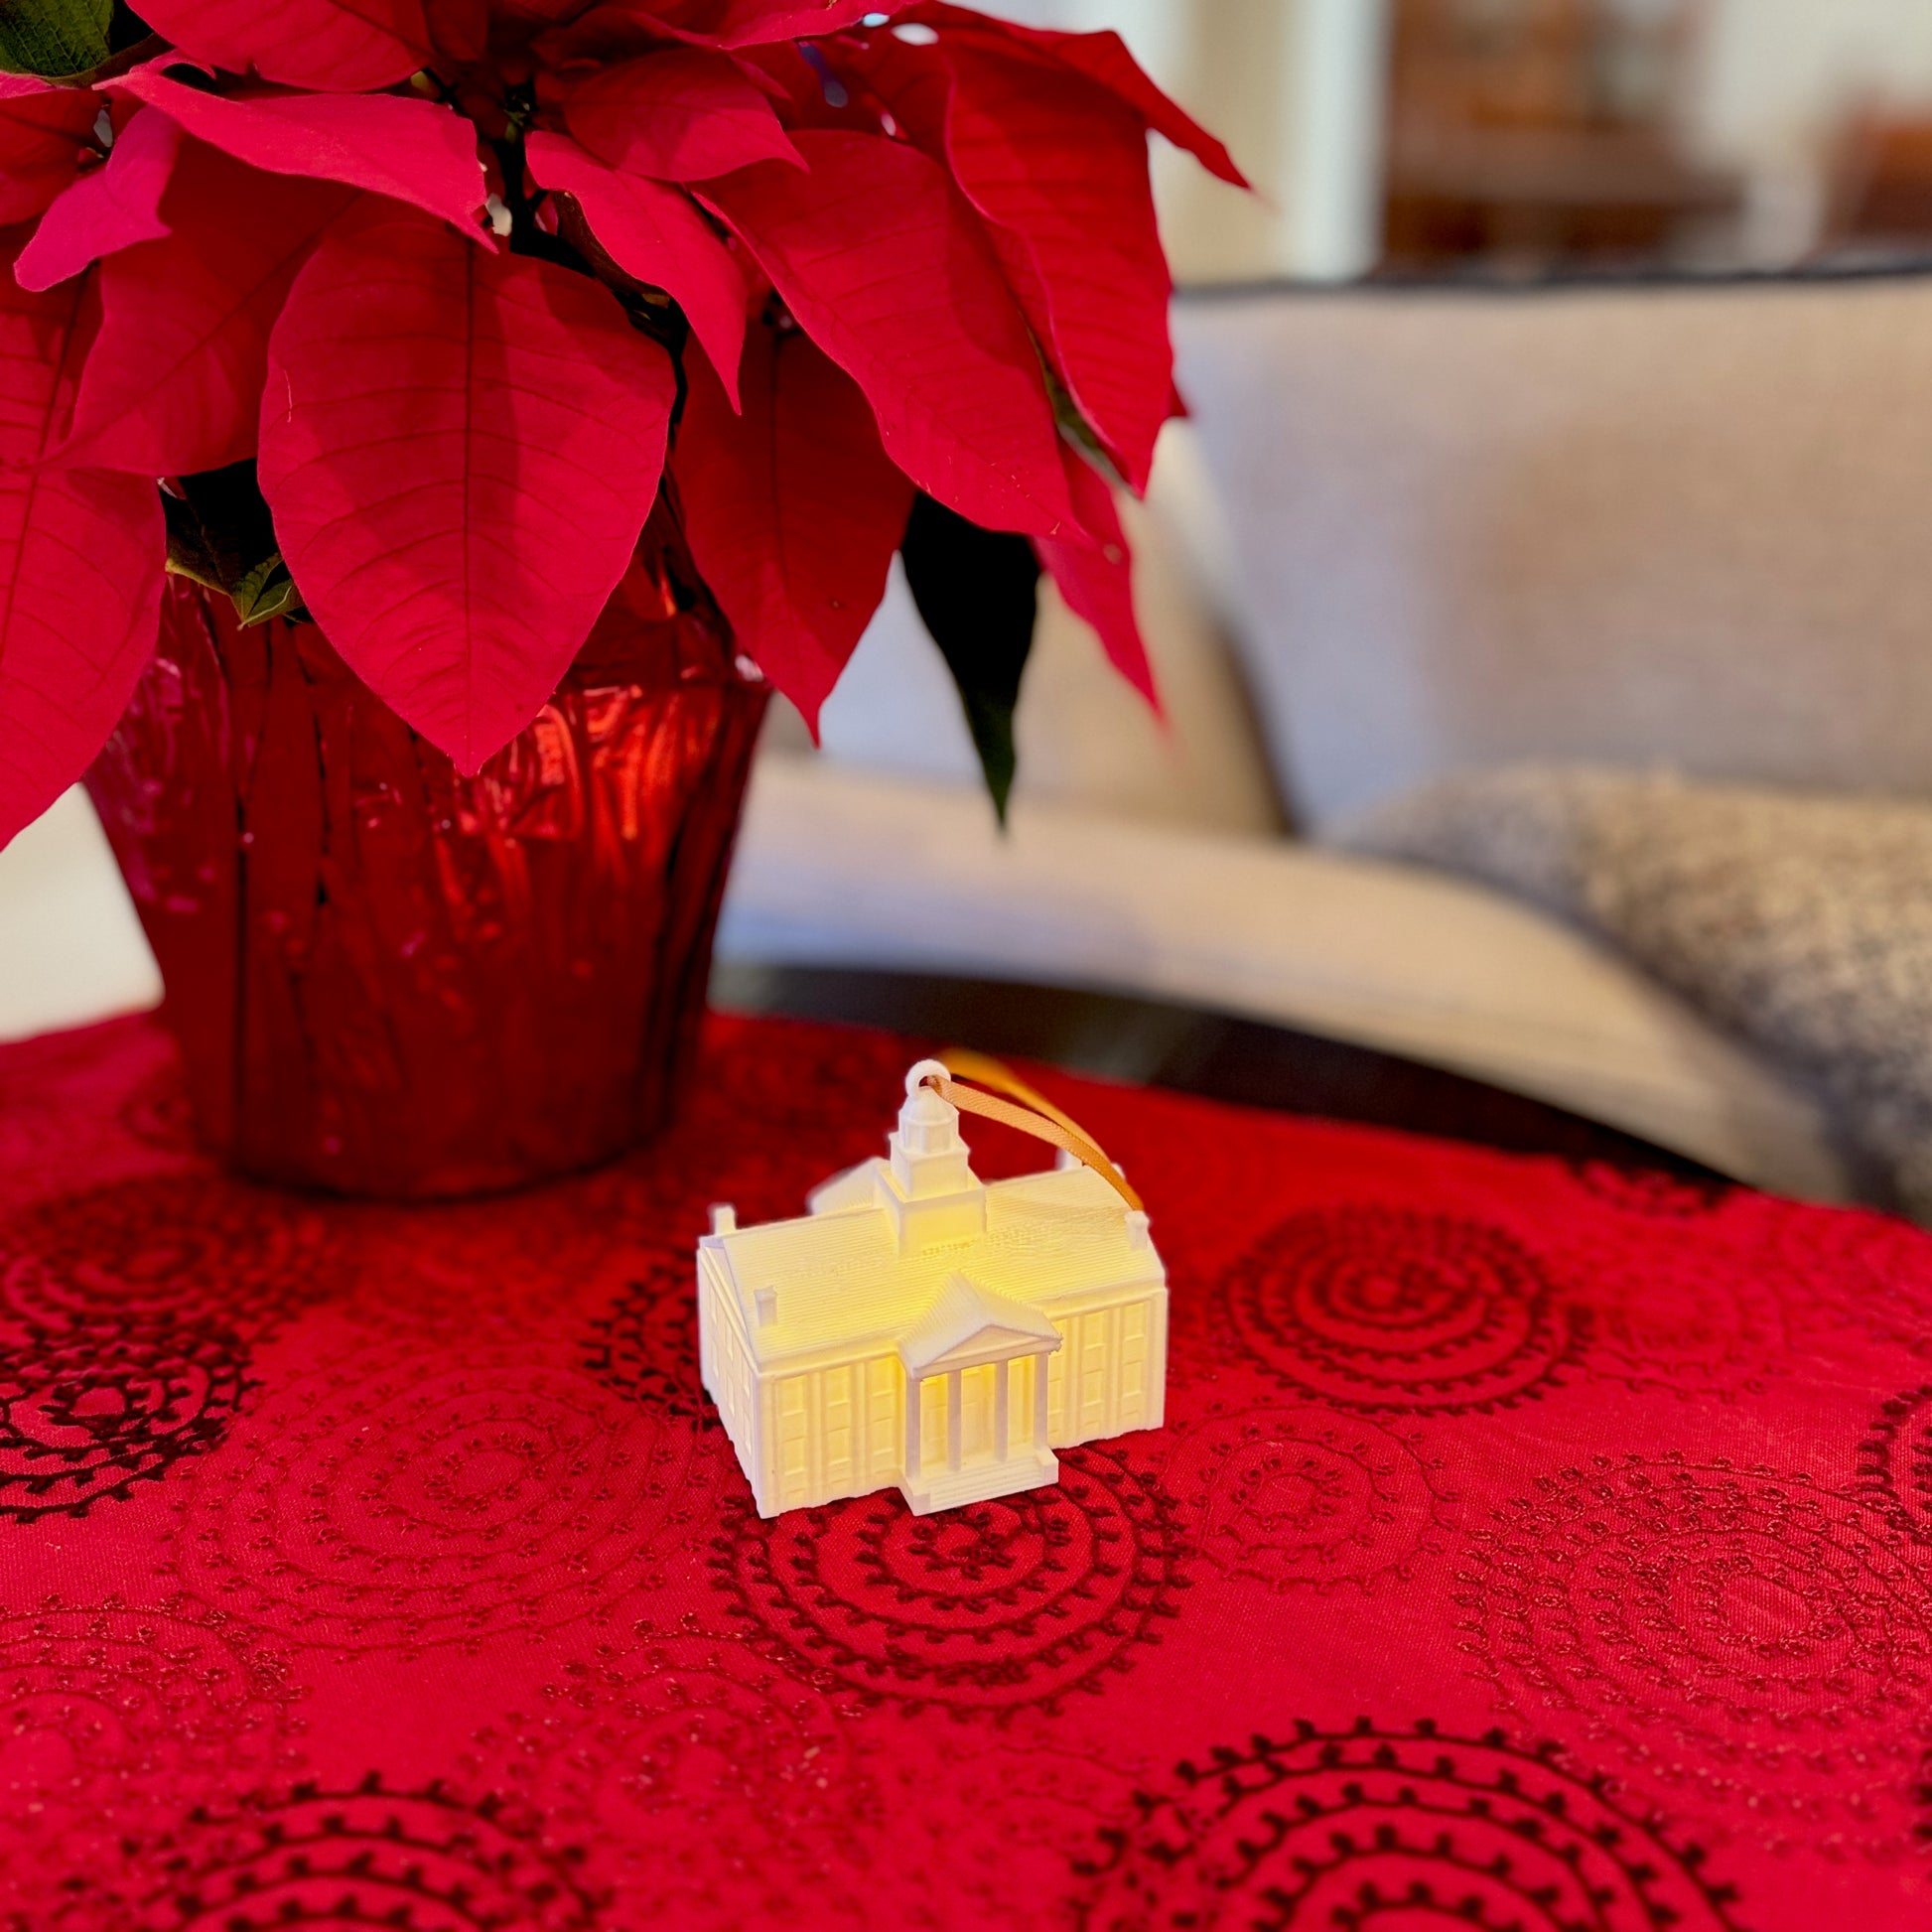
1035,1114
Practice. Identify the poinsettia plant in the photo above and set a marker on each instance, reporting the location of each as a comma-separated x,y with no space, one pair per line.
400,315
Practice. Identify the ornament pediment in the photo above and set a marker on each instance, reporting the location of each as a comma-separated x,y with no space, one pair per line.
967,1326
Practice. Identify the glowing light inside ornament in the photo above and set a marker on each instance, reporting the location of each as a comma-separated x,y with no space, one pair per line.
925,1329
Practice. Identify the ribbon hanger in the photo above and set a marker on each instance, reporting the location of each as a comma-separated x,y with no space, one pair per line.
1034,1114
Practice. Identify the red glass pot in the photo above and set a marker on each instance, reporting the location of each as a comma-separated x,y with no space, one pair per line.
391,980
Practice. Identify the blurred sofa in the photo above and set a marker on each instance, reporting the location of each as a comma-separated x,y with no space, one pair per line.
1407,532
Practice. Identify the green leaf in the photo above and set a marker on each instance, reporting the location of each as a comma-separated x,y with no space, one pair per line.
221,535
978,594
223,510
190,553
1072,425
267,591
53,38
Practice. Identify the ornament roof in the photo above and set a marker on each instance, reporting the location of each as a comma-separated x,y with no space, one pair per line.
841,1279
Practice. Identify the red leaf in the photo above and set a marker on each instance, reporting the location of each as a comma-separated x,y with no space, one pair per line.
174,380
43,134
1100,57
793,511
80,566
458,28
892,275
412,151
1059,163
341,45
1097,577
798,86
1058,168
746,23
538,13
912,81
681,115
109,208
653,232
460,450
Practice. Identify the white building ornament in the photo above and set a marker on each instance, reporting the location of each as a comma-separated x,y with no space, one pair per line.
920,1327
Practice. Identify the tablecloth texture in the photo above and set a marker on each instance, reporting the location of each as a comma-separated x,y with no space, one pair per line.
1528,1546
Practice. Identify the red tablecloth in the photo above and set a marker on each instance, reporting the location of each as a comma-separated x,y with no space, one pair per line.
1527,1546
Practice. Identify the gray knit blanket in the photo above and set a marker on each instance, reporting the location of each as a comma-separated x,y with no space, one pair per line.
1800,923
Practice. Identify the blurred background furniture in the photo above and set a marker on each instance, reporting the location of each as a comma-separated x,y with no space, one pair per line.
1544,130
1665,523
1880,195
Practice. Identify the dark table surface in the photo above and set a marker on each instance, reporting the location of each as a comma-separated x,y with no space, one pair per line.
1217,1056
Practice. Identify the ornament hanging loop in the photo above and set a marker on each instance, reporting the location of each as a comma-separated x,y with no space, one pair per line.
1024,1108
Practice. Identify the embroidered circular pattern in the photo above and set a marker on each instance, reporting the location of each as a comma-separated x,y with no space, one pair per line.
659,1755
1366,1829
114,1723
1895,1463
777,1106
415,1861
646,1346
1307,1498
93,1406
158,1112
1381,1308
396,1504
797,1080
1751,1644
62,1092
984,1609
1017,1817
532,1260
1858,1283
182,1245
1678,1314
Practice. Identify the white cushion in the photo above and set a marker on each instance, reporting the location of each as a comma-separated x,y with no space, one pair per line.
1680,524
1082,734
838,867
71,947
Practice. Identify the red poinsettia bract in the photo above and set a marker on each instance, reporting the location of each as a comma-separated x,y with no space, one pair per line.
463,276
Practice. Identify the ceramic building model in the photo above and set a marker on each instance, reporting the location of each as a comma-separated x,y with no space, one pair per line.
925,1329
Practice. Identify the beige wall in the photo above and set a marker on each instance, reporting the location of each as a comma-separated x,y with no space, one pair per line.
1777,78
1777,73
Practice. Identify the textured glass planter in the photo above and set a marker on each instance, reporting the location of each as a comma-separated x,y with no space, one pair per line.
391,980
